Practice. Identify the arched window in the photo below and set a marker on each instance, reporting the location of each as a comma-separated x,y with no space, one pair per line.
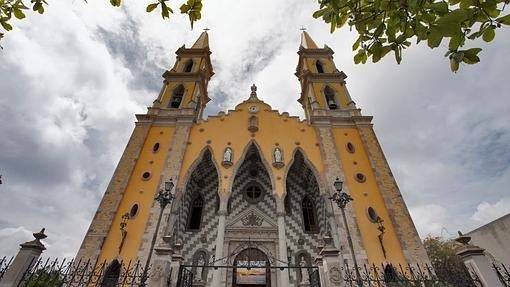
330,97
195,215
309,218
189,66
320,68
111,275
177,95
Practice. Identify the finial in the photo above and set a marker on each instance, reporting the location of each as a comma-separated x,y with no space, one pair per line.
463,239
206,29
302,28
40,235
253,95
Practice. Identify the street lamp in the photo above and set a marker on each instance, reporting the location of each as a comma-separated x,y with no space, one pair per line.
164,198
341,199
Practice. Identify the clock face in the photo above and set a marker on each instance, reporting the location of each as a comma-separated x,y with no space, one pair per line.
253,109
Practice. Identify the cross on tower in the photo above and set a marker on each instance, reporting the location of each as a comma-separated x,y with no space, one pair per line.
302,28
206,29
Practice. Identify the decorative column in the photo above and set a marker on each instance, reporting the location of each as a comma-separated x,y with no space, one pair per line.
476,262
220,238
27,256
282,248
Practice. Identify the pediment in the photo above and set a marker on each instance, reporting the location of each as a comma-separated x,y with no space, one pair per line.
251,218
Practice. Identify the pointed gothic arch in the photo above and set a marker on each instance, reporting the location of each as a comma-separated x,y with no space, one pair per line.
302,192
177,96
250,147
297,155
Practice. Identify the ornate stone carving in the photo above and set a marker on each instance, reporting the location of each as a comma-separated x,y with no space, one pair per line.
252,220
335,276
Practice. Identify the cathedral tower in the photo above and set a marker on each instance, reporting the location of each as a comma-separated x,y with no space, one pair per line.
252,185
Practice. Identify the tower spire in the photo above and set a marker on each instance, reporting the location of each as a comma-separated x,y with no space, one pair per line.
202,41
307,41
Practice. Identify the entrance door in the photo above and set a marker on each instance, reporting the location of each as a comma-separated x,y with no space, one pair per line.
251,269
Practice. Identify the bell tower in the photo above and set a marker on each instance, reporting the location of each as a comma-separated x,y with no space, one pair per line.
323,90
184,92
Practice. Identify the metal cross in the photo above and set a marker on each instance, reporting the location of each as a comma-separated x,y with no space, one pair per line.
302,28
206,29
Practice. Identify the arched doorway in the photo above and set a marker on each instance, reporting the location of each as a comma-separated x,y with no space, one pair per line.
251,269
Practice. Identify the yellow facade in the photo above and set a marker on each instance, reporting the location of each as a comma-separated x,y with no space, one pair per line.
334,141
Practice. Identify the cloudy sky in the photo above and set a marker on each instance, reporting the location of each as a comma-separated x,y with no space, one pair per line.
72,80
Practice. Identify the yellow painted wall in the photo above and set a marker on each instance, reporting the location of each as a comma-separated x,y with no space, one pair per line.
141,192
218,131
366,194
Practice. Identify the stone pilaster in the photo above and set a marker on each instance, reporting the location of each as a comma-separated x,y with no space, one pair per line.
400,218
220,240
101,223
282,246
333,169
170,171
25,259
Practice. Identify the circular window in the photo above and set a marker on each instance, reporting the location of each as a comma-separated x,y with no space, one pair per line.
155,148
146,175
350,147
360,177
134,210
253,193
372,215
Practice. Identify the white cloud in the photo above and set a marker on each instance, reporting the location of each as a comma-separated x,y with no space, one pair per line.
486,212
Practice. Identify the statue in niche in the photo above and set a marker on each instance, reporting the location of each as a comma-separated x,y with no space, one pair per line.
278,158
305,277
227,157
200,269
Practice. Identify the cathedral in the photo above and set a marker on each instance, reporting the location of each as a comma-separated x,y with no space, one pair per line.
252,196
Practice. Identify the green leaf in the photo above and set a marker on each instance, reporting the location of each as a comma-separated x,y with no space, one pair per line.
454,65
319,13
151,7
358,57
455,42
6,25
356,44
165,10
434,38
115,3
504,20
440,7
18,13
489,34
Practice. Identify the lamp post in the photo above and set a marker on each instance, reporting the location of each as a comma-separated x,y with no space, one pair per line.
164,198
341,199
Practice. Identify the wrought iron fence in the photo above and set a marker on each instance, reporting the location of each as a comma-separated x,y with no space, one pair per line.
503,273
57,273
185,278
4,264
404,276
315,280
